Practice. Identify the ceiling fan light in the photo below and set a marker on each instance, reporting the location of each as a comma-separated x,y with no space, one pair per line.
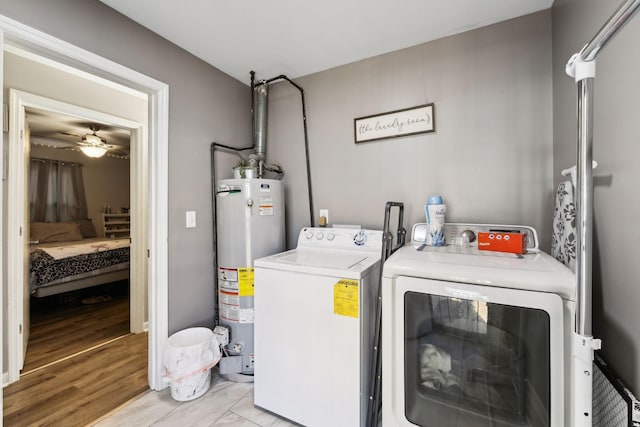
92,139
94,152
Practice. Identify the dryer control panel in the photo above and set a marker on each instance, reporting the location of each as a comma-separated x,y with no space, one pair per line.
466,235
341,239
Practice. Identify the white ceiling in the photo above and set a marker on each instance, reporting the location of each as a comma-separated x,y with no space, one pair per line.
297,37
60,131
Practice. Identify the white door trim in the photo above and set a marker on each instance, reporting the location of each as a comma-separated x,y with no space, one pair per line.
30,39
18,226
16,244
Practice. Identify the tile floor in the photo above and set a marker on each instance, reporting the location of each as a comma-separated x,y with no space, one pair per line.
226,403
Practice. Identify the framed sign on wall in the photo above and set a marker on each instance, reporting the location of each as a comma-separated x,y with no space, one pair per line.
408,121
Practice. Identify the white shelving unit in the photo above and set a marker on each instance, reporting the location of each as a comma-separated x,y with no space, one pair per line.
116,224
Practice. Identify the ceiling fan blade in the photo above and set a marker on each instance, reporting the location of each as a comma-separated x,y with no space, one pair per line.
69,134
116,147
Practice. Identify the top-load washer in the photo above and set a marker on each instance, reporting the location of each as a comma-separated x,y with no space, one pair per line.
314,311
476,338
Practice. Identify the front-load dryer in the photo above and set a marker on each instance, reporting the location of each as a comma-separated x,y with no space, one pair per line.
475,338
314,315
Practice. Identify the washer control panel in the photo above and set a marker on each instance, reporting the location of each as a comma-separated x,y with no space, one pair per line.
340,238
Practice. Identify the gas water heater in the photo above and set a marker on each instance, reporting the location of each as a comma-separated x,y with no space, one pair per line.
250,222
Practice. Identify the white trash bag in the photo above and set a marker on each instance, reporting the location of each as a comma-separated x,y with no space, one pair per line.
188,358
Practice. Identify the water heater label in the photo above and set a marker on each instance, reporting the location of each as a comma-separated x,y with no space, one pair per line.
245,315
229,298
266,206
265,188
245,281
228,274
345,298
229,312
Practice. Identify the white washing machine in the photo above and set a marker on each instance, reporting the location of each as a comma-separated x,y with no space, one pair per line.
476,338
314,313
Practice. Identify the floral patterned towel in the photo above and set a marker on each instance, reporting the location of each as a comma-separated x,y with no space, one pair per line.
563,243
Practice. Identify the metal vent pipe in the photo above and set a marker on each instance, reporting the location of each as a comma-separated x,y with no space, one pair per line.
261,98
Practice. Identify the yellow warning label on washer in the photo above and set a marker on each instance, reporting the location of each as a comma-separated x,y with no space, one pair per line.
345,298
245,281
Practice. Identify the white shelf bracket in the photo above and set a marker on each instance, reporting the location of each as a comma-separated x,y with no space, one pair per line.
580,69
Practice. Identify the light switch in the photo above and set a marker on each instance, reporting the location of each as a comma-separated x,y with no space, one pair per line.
191,219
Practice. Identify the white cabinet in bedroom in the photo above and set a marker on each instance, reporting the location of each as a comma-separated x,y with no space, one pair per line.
116,225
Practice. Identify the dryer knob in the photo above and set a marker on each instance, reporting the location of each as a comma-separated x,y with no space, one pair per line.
319,236
468,236
331,236
309,235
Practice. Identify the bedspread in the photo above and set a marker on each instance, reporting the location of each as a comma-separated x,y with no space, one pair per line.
45,269
75,249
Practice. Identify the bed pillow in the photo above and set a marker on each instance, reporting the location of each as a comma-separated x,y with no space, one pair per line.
86,228
44,232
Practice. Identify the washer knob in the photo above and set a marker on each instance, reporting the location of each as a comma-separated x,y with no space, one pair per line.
360,238
319,236
331,236
309,235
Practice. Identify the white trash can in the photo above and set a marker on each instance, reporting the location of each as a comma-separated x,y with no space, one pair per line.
188,358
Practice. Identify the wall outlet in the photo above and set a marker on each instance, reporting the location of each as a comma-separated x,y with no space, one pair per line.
324,213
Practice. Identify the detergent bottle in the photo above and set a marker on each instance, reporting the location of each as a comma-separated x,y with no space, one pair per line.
435,210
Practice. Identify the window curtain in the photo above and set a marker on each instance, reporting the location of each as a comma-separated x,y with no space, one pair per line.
56,191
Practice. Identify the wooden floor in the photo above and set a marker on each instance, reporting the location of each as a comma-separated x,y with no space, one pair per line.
92,324
80,388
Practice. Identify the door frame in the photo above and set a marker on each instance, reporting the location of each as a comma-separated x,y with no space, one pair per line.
17,262
29,39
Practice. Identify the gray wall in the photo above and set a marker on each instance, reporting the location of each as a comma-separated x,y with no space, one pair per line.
204,105
616,203
490,157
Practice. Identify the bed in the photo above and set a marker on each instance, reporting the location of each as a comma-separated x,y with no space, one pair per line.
68,256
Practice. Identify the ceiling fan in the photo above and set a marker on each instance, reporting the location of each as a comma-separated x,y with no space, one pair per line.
94,145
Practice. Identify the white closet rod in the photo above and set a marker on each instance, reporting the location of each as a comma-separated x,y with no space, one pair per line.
582,67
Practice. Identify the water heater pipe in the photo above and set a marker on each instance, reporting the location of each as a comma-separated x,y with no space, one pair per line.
261,94
306,137
215,145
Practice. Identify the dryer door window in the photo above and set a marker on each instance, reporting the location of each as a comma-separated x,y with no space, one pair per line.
473,362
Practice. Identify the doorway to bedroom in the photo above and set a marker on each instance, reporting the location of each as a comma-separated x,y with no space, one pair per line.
78,208
53,135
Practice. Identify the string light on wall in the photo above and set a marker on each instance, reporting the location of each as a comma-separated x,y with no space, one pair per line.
91,144
105,154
